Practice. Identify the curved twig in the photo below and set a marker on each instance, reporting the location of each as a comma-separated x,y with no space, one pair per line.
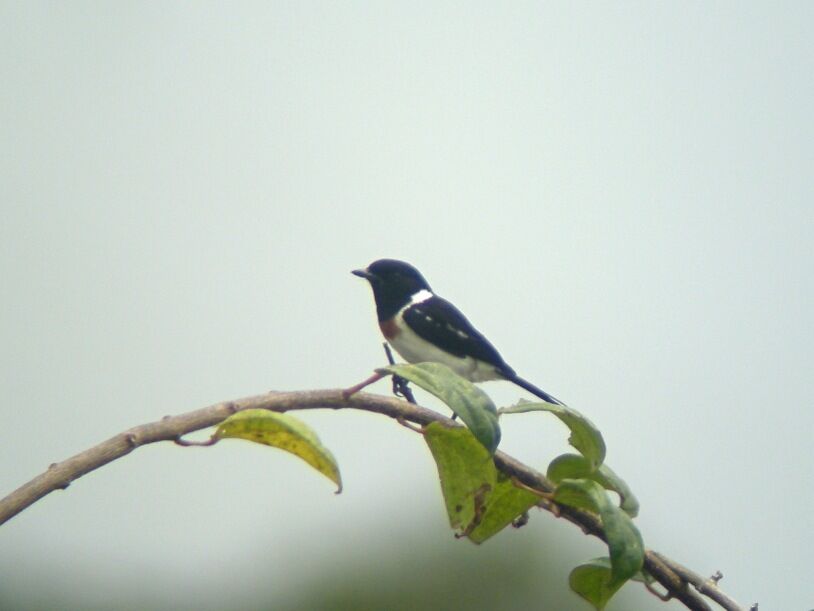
680,583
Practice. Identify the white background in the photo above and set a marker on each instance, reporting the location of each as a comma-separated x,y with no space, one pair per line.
618,195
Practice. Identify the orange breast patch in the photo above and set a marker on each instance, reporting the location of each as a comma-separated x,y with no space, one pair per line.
389,328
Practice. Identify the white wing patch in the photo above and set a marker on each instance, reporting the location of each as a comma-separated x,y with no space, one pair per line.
420,296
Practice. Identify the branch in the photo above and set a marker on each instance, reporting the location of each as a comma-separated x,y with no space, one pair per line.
679,582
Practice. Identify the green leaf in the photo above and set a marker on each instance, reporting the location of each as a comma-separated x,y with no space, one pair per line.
506,503
572,466
480,501
464,468
281,431
585,437
624,541
473,406
595,583
642,576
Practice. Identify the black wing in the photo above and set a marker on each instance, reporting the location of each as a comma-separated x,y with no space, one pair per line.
441,323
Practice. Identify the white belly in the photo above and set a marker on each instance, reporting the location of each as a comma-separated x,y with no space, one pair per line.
414,349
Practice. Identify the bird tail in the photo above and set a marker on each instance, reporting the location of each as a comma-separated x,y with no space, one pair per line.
516,379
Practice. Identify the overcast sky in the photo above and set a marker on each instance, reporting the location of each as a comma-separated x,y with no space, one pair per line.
619,195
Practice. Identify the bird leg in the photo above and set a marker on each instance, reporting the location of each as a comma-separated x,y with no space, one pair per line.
400,385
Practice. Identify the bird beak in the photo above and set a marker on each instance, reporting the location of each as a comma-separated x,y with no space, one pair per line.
362,273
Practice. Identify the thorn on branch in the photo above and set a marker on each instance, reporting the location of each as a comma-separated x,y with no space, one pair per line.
710,584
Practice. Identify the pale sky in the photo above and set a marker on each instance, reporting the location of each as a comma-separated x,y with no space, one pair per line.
619,195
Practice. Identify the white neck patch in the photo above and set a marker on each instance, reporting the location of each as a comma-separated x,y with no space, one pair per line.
420,296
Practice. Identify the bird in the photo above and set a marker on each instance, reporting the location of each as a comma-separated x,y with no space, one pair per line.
422,326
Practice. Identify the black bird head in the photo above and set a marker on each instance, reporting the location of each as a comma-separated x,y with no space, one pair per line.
393,283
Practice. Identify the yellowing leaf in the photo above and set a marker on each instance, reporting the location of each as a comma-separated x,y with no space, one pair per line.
281,431
480,501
